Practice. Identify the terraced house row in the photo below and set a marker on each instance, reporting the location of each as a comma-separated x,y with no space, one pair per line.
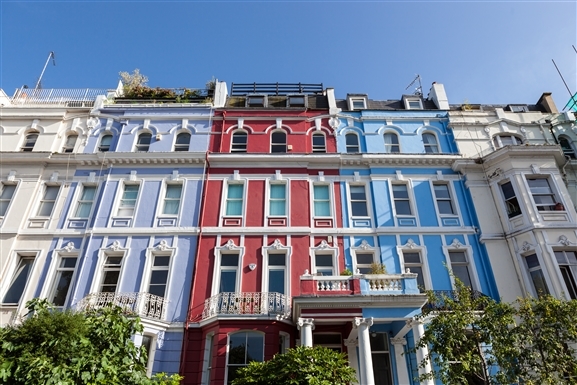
249,220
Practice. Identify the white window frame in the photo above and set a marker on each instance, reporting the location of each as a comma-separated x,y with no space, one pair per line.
137,139
389,146
428,145
8,200
350,201
100,147
357,100
160,250
571,269
506,203
181,147
151,352
364,248
81,187
285,144
11,269
270,199
66,148
451,198
233,144
408,103
114,250
324,249
276,248
498,142
412,247
317,148
552,192
118,205
228,248
330,199
410,199
164,191
207,361
527,272
54,273
224,202
44,200
228,349
457,246
358,145
25,147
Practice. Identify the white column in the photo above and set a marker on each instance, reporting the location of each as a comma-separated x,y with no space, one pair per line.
418,332
351,344
401,363
306,326
365,358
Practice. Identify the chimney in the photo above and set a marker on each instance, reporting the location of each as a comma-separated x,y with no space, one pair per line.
333,110
546,101
438,96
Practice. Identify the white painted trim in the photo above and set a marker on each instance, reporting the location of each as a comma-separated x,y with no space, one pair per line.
228,248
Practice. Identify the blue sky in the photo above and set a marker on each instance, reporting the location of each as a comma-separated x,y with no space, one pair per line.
483,52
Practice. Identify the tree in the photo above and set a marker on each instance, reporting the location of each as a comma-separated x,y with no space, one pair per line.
72,348
133,81
300,366
473,339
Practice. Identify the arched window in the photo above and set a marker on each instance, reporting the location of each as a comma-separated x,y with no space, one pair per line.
352,142
239,141
502,140
243,348
70,143
105,143
182,142
278,142
30,141
319,144
431,145
391,143
566,146
143,142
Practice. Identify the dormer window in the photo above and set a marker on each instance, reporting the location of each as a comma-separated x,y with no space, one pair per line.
297,101
518,107
357,102
413,104
256,101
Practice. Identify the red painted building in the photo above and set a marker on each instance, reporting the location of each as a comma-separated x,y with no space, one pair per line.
270,209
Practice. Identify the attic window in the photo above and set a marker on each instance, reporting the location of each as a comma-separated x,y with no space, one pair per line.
413,104
357,103
518,108
297,101
256,101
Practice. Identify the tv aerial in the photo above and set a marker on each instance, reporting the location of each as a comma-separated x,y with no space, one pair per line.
50,56
419,89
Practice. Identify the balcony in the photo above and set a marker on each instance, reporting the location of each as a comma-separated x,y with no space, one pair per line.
144,305
364,284
55,97
247,304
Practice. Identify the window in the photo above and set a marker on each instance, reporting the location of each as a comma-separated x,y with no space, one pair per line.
182,142
567,261
513,208
380,352
352,143
357,103
431,145
19,280
5,197
567,147
401,198
506,140
297,101
85,202
70,143
276,273
364,262
228,273
105,143
234,200
443,197
208,347
324,264
413,104
277,200
319,144
159,275
148,345
172,199
460,267
542,194
48,201
29,141
536,274
243,348
143,142
256,101
239,141
278,142
110,274
63,279
518,108
321,201
128,200
391,143
358,201
414,264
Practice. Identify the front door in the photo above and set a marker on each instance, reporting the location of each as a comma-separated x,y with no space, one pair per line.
381,358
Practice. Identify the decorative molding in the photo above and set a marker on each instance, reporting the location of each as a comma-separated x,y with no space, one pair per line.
351,342
456,244
92,122
440,175
132,176
252,266
304,322
321,176
54,177
410,244
357,176
564,240
276,244
363,321
334,122
399,341
399,175
236,175
323,245
527,246
364,245
174,175
162,246
69,247
277,175
115,246
230,244
535,169
11,176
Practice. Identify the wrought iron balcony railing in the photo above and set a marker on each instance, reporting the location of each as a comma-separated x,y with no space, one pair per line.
247,304
63,97
441,302
142,304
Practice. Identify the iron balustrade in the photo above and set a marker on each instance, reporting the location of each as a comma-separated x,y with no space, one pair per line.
241,89
247,304
63,97
145,305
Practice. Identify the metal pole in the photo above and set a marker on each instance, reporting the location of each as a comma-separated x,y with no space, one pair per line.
50,55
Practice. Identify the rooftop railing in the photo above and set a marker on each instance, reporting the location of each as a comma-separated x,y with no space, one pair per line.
276,304
142,304
61,97
240,89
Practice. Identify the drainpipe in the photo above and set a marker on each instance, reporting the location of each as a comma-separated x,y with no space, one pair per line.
222,131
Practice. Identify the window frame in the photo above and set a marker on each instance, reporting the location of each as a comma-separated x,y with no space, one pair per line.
166,199
552,193
354,101
105,147
162,250
227,381
276,248
352,148
56,274
271,200
29,143
297,105
412,247
434,148
254,100
274,145
8,201
328,201
457,246
143,147
539,267
12,272
392,148
511,203
351,201
568,148
227,199
227,249
316,148
324,249
113,250
409,199
568,271
408,101
239,147
498,140
119,206
43,200
182,147
66,147
80,201
452,202
362,249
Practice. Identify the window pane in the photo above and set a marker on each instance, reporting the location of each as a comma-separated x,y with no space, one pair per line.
358,193
532,261
62,286
235,191
418,270
364,258
161,261
19,280
412,257
508,191
318,140
227,281
403,207
237,349
229,260
539,282
183,139
111,277
462,272
324,260
359,209
458,256
277,191
7,191
46,209
400,191
276,281
441,191
276,259
254,347
445,207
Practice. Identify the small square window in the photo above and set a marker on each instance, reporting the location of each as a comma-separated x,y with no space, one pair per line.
297,101
358,104
413,104
256,101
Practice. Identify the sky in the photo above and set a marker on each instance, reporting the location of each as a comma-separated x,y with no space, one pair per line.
490,52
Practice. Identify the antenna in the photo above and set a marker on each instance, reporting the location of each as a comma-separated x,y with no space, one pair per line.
419,89
50,55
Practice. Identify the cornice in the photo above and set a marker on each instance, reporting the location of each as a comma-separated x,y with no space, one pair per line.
400,159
